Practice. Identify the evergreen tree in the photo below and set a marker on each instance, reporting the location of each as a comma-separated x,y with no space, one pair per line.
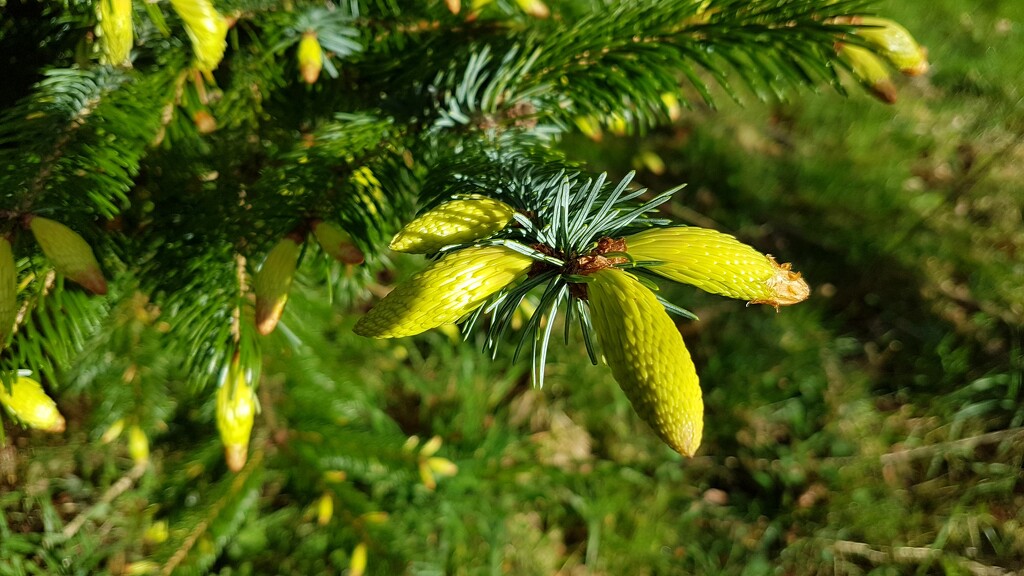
172,172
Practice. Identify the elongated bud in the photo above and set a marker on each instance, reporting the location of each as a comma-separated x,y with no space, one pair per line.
116,30
455,222
617,124
374,517
430,447
27,402
357,564
535,8
8,291
273,281
157,533
335,476
672,106
651,161
113,432
590,127
444,292
141,568
648,358
311,57
138,445
442,466
427,476
69,253
204,122
718,263
454,6
324,509
895,43
236,411
207,30
337,243
869,70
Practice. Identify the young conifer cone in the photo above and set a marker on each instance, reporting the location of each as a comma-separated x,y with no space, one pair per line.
116,30
138,445
337,243
236,410
311,57
31,406
206,28
455,222
647,357
8,291
444,292
535,8
69,253
273,281
718,263
895,43
870,71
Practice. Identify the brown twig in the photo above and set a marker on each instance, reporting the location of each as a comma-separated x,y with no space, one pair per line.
214,510
965,443
914,555
116,489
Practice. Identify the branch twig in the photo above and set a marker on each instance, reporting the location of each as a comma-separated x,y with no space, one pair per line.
965,443
116,489
914,555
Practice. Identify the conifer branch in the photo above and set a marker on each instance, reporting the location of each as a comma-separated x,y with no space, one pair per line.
116,489
235,496
79,135
51,336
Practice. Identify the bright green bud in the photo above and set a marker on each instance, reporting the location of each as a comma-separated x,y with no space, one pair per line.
8,291
590,127
535,8
427,475
324,509
869,70
236,411
430,447
337,243
442,466
357,563
138,445
70,254
895,43
142,568
116,30
31,406
647,357
718,263
311,57
455,222
207,29
157,533
272,283
444,292
113,432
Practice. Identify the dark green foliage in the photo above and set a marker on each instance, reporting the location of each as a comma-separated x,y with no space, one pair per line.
874,429
170,175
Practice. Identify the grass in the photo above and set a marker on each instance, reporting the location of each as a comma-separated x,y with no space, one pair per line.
875,429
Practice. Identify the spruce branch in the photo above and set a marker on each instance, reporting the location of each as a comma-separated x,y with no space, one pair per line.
57,324
116,489
80,135
211,528
623,60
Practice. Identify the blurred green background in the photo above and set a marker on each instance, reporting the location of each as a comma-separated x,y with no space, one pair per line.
877,428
